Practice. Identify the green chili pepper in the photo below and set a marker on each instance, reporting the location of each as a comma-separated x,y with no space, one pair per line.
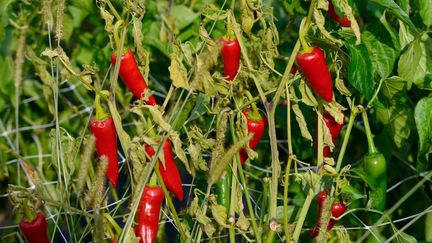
374,164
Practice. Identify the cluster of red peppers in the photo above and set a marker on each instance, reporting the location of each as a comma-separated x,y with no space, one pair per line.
337,209
102,127
256,124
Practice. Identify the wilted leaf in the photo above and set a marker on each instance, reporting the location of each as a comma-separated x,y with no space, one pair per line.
178,73
219,214
302,122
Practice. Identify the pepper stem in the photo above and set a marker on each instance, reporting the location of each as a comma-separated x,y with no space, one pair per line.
116,34
150,128
29,215
369,136
254,115
304,27
230,33
153,179
305,45
100,112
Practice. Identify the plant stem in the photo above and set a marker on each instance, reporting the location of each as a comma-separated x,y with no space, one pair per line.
100,113
255,111
233,198
116,35
304,30
270,236
248,201
369,136
286,185
354,113
170,205
113,10
303,213
288,98
288,167
320,156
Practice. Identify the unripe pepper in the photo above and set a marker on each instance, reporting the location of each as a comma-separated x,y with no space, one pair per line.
332,13
256,124
230,57
131,75
148,214
170,174
314,67
35,231
375,165
106,144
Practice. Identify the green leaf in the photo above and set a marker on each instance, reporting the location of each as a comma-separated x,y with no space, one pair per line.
391,6
200,107
399,122
184,113
394,87
78,15
182,16
405,36
423,120
352,192
359,70
402,237
425,11
68,27
392,32
383,54
3,17
412,64
370,181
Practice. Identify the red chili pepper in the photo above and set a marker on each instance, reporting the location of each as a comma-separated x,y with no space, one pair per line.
106,145
338,209
170,173
131,76
230,57
36,230
314,67
256,124
148,214
322,196
342,21
335,129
